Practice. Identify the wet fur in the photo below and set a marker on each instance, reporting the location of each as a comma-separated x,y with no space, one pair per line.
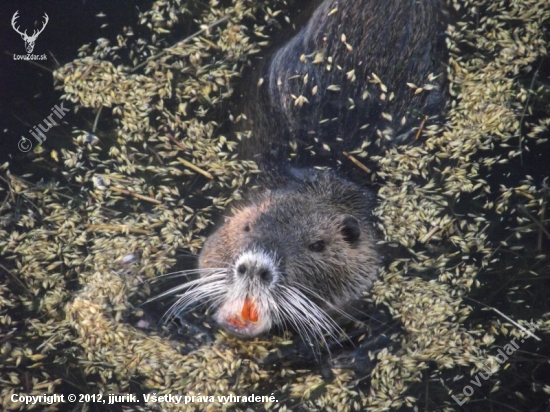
284,222
401,41
398,40
295,216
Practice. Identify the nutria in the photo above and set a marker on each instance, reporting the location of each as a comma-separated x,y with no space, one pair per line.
304,245
291,250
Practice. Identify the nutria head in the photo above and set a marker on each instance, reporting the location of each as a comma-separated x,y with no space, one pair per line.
290,256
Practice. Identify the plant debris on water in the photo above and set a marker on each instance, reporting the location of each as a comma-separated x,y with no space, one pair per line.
465,209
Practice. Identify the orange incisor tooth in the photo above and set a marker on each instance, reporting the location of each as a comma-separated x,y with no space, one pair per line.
250,312
235,321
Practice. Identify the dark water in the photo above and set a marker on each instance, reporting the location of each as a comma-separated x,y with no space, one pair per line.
27,97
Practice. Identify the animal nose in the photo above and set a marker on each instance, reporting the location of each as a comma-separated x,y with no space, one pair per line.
256,264
252,270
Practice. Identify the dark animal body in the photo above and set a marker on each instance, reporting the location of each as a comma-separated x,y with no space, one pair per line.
357,64
303,247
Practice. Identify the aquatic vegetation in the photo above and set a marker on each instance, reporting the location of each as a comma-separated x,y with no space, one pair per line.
143,182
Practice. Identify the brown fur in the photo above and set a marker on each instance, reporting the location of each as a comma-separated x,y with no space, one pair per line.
400,41
285,223
304,247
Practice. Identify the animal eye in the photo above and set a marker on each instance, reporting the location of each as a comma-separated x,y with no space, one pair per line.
247,228
318,246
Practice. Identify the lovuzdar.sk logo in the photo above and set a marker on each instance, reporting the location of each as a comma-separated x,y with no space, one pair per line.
29,40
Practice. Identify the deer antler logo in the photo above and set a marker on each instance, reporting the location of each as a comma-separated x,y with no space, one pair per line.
29,40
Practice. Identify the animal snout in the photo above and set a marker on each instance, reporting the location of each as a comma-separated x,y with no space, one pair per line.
256,264
252,270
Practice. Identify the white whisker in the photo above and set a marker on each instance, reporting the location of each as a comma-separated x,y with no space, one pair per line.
214,277
183,273
308,318
329,304
203,293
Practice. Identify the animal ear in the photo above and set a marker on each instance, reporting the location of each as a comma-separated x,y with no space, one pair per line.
351,231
